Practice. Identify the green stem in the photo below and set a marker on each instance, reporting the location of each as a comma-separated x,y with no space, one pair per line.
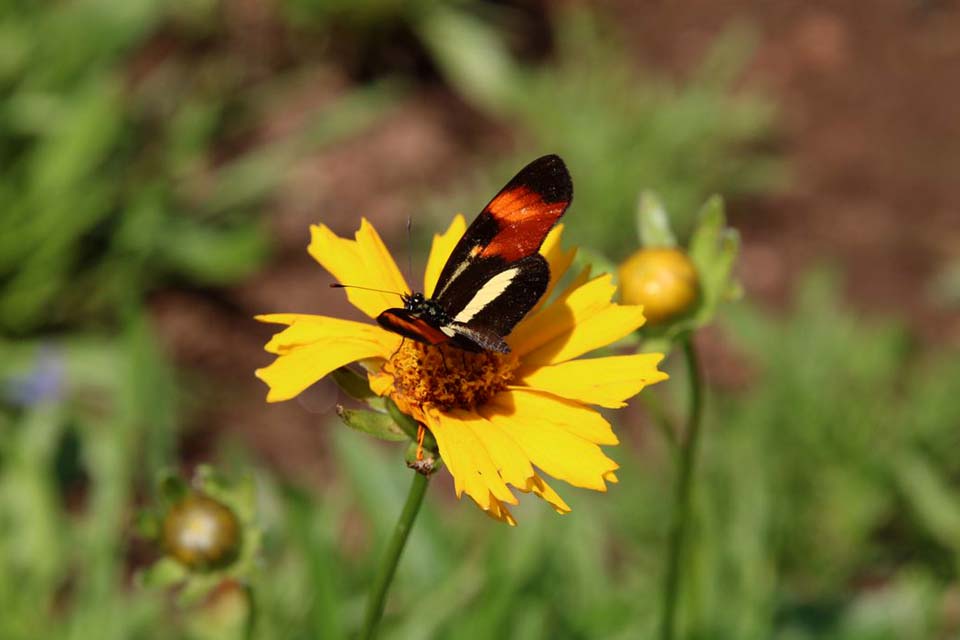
251,621
388,567
681,510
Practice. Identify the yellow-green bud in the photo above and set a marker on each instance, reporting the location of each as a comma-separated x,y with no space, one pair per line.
663,280
201,533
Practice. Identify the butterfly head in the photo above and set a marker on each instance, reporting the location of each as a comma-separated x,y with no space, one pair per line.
414,301
425,308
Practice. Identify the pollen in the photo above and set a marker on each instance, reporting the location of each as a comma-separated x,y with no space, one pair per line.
448,378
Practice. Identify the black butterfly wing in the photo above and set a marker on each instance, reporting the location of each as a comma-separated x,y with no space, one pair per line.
511,227
485,310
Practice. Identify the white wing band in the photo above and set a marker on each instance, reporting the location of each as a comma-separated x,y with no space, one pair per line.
490,291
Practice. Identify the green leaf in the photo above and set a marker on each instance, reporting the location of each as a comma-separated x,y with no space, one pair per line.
471,54
653,224
373,423
931,497
213,255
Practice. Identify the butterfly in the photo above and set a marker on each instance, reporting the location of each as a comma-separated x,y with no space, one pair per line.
495,274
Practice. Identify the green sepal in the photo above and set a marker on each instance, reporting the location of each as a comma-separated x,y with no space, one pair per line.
714,248
163,573
407,424
357,387
172,488
352,383
197,588
239,495
653,224
373,423
411,427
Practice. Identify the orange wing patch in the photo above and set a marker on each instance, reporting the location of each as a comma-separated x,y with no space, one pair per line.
414,326
524,220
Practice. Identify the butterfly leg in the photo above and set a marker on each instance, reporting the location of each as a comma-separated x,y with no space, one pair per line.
399,346
443,359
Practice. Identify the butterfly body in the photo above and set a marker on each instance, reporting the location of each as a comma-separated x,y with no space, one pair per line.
494,275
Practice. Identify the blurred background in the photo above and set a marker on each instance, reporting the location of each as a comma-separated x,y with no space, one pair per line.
160,164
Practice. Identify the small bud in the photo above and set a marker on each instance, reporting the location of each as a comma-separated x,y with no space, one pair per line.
663,280
426,463
201,533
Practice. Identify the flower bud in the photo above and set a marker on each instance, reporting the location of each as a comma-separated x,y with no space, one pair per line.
663,280
201,533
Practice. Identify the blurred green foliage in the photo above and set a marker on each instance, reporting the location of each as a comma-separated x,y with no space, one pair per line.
826,504
112,181
825,508
620,131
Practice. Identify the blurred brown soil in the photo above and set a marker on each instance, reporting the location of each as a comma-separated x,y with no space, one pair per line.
868,95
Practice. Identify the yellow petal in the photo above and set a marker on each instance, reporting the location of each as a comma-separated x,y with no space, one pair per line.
550,447
560,317
558,259
306,329
605,382
467,459
364,262
381,383
498,511
597,330
541,488
300,367
440,251
377,260
510,460
578,419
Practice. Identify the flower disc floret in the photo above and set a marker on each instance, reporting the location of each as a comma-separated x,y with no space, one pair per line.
447,377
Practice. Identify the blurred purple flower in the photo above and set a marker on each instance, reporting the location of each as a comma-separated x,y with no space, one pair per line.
44,383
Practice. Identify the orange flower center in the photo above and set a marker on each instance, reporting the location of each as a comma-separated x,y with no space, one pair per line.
447,377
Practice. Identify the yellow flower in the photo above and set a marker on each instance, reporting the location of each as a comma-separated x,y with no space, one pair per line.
499,420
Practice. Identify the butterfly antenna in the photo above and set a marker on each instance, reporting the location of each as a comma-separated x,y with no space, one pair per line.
337,285
409,250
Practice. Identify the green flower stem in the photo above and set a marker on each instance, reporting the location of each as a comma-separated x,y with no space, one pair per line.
388,567
251,622
686,459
